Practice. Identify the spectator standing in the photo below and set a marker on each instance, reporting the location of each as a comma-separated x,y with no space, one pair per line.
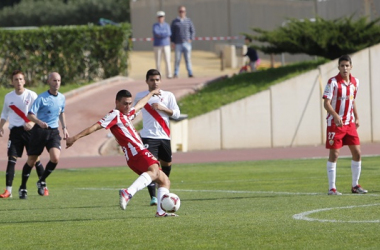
16,106
45,112
183,33
161,43
156,132
342,123
139,159
251,53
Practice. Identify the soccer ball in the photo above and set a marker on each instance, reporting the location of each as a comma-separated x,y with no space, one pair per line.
170,203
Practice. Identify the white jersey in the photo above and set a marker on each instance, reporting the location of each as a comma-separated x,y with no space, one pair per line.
16,107
156,122
125,134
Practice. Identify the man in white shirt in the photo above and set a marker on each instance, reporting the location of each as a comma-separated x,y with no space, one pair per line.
15,109
156,133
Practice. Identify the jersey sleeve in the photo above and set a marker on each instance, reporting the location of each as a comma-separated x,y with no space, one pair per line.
132,114
63,104
172,104
357,87
35,106
5,111
329,90
109,120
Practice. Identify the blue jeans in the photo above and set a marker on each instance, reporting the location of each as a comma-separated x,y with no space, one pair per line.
184,48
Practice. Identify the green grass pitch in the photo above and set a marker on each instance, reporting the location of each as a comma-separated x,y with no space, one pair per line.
280,204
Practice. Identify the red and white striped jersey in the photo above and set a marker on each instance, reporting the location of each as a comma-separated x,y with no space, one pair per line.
342,98
155,122
122,128
16,107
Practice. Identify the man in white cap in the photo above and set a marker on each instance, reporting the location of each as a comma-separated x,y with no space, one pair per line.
161,43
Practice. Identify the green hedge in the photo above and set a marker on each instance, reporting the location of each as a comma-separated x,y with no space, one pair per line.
57,12
78,53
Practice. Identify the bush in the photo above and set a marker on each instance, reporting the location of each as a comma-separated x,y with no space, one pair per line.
326,38
78,53
57,12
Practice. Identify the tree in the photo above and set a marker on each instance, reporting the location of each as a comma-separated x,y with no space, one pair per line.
325,38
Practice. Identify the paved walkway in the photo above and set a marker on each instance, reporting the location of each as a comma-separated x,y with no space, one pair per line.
90,103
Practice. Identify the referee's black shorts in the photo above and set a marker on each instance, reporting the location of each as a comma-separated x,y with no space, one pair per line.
41,138
18,140
160,148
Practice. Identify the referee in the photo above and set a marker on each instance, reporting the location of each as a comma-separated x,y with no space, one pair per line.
45,112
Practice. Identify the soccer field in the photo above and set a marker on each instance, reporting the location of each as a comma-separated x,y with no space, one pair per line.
245,205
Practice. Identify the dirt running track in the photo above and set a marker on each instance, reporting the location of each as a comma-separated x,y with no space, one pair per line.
87,105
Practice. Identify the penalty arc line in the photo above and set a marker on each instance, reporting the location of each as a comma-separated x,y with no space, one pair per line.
304,215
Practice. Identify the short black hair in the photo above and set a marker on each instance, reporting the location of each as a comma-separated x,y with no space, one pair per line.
248,38
152,72
123,93
345,58
16,72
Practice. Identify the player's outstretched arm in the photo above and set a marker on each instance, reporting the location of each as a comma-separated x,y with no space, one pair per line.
141,103
70,140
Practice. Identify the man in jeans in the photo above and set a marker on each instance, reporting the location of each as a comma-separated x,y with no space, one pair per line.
183,33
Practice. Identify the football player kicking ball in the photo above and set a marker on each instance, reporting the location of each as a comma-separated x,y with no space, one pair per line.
342,123
139,159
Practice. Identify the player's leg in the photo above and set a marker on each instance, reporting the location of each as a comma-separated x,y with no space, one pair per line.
9,176
140,164
39,168
165,156
153,146
163,188
53,146
15,150
333,143
331,171
353,142
26,139
356,167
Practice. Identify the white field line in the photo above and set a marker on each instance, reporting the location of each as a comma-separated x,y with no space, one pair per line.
226,191
304,215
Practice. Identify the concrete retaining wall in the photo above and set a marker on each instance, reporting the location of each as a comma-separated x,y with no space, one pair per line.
290,113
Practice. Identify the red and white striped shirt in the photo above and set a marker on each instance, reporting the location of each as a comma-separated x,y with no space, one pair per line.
122,128
342,96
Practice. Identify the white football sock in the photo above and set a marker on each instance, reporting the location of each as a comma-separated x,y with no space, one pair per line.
331,174
160,192
141,182
9,188
356,167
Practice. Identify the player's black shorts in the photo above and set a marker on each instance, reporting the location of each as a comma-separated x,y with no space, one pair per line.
160,148
18,139
41,138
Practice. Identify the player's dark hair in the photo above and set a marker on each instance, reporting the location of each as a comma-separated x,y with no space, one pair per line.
345,58
16,72
152,72
123,93
248,38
